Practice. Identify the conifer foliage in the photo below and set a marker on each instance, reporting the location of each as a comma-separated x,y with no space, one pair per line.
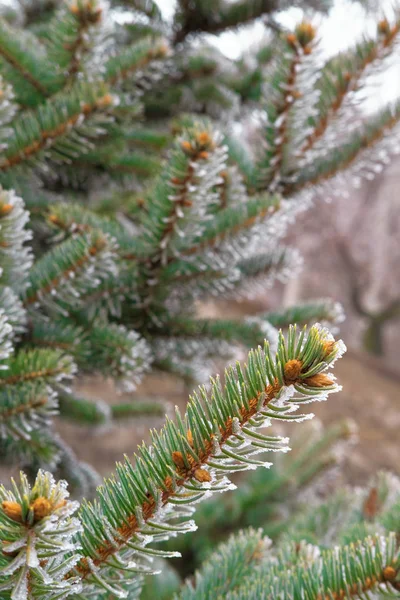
126,198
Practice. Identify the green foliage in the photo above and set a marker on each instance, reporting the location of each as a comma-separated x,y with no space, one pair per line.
148,192
189,459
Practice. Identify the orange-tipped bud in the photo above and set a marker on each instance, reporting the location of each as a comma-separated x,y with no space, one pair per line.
202,475
389,573
204,139
291,39
292,369
384,27
305,33
189,437
187,147
178,459
13,510
5,209
41,507
328,347
319,380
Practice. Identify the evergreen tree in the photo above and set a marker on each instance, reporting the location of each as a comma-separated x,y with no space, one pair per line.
126,198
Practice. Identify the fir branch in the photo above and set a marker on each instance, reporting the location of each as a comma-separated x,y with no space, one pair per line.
15,255
72,268
228,568
40,130
8,108
190,458
71,35
197,17
121,353
133,59
260,271
23,63
49,366
231,224
279,102
325,310
37,530
83,410
248,333
342,76
340,159
184,191
369,565
26,408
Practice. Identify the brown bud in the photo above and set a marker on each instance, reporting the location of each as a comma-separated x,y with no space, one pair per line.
203,154
328,347
203,138
305,33
5,209
41,507
202,475
106,100
187,147
292,369
13,510
53,219
384,27
178,459
175,181
189,437
389,573
319,380
291,39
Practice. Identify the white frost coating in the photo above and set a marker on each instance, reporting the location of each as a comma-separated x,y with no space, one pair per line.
45,546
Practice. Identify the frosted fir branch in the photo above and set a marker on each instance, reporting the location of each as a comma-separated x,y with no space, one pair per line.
15,255
341,78
363,156
187,281
48,366
13,309
38,532
8,108
233,563
26,408
68,219
237,233
185,192
232,190
58,128
336,520
25,66
121,353
132,64
191,458
71,269
322,310
58,333
77,36
260,271
280,96
367,566
6,336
